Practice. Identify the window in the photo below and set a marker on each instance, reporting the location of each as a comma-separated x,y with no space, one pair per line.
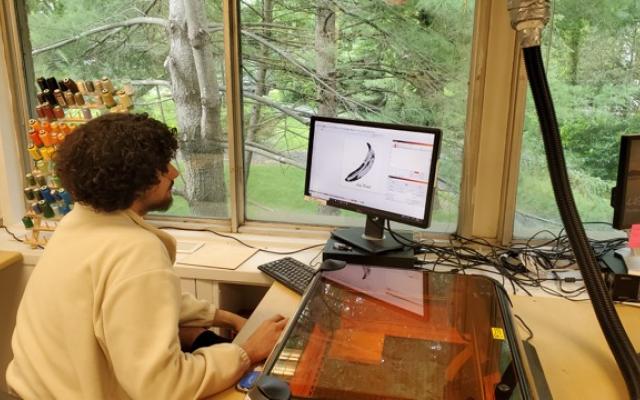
392,61
591,56
144,45
399,61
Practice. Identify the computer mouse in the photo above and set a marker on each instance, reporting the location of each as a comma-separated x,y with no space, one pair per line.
270,388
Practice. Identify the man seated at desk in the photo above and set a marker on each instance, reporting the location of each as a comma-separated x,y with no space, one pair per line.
103,316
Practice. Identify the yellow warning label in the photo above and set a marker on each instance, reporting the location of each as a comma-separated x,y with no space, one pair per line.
498,333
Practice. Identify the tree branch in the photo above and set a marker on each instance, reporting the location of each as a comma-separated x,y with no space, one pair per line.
130,22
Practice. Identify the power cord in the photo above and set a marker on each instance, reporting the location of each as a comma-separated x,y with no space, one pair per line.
16,238
241,242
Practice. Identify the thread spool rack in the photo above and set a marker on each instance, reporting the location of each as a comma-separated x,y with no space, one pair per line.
34,239
63,106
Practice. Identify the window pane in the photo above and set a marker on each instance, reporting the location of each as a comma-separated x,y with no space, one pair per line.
130,42
394,61
591,58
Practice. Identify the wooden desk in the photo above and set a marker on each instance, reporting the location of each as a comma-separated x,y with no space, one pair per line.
8,258
574,355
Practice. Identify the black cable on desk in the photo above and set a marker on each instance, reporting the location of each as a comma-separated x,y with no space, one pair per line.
241,242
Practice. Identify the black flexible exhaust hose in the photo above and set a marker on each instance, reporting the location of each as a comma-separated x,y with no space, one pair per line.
610,323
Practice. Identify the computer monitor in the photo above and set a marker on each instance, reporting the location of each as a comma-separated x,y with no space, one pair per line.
382,170
625,197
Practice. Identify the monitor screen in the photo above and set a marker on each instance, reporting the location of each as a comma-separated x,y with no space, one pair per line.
625,197
374,168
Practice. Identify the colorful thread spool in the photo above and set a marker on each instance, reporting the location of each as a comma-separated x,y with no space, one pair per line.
79,99
47,211
35,207
34,153
27,222
30,179
46,194
28,193
66,196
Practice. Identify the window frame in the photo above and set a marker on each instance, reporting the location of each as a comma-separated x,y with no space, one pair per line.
493,128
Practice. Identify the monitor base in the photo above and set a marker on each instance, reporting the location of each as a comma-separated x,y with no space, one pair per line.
355,237
337,250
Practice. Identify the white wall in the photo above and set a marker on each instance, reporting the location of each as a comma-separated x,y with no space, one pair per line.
11,203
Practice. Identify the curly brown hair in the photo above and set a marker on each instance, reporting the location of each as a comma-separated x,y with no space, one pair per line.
111,160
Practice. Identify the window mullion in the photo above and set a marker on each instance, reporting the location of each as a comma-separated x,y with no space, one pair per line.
233,97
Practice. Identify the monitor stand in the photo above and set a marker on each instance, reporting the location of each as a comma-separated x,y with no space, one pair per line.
372,239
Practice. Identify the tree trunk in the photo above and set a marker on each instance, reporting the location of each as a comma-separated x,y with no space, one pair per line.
325,46
261,86
195,91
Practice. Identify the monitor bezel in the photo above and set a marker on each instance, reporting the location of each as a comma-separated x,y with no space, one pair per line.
425,222
619,192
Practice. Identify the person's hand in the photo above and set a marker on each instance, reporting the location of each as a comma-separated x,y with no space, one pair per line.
262,341
229,319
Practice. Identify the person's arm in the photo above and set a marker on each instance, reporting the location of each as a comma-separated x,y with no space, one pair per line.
195,312
140,321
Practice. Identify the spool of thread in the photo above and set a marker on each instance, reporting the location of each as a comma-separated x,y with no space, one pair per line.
64,209
89,85
107,98
59,98
42,83
35,207
58,112
63,87
82,88
79,99
34,153
60,136
27,222
47,211
46,153
40,111
30,179
55,180
66,197
43,166
69,98
48,96
28,193
106,84
35,124
35,138
48,111
36,194
46,194
55,195
52,84
65,128
40,97
40,179
46,125
86,113
54,127
44,137
97,84
124,98
71,85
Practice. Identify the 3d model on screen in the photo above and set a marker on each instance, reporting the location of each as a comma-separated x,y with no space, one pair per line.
364,168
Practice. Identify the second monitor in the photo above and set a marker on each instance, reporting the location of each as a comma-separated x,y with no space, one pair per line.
382,170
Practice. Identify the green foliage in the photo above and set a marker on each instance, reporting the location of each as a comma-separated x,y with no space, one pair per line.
595,143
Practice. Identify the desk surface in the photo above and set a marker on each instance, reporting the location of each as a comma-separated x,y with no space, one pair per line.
574,355
8,258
